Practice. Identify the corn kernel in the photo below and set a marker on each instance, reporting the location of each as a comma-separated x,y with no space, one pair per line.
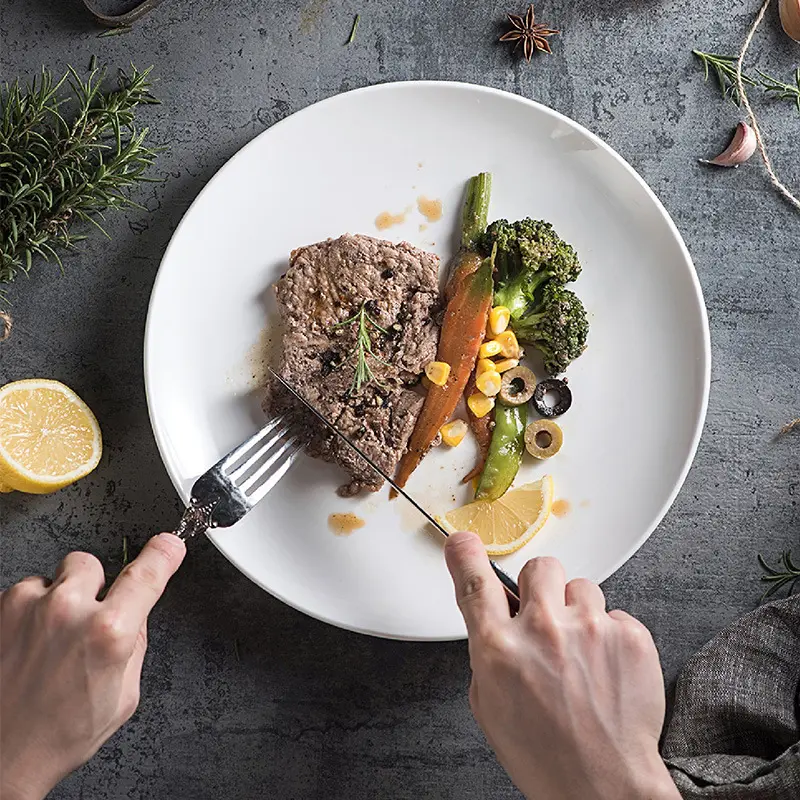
489,349
506,364
453,432
438,372
479,404
484,365
509,346
489,383
499,317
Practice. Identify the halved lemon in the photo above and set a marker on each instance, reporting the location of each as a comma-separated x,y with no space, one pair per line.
49,438
509,523
5,489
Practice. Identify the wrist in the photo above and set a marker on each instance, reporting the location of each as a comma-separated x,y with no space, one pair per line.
20,783
12,791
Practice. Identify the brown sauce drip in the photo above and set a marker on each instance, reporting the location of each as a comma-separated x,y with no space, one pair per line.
430,209
386,220
345,524
561,508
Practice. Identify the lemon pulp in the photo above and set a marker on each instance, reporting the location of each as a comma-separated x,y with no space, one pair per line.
508,523
49,437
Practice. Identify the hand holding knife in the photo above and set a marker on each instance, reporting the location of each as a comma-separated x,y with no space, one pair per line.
509,584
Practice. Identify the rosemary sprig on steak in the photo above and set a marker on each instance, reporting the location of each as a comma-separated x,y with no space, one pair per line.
363,373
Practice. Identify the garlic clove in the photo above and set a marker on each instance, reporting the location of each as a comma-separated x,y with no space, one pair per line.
742,146
790,17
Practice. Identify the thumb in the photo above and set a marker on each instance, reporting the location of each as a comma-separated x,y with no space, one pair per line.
479,593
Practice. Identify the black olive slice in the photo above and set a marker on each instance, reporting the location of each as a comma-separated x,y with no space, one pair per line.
564,398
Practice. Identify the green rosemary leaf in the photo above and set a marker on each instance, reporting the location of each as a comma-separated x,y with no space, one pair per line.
115,31
353,30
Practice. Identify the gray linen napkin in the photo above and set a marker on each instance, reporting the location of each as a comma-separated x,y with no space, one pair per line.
735,728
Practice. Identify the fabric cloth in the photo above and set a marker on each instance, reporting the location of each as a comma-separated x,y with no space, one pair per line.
735,728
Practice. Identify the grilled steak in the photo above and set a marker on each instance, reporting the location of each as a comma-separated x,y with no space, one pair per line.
389,293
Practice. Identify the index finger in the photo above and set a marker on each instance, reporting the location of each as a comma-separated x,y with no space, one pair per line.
479,593
140,584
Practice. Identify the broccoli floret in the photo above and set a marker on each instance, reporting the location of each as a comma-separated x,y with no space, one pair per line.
556,326
529,254
533,265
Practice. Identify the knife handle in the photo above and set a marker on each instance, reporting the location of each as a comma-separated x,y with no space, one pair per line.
510,585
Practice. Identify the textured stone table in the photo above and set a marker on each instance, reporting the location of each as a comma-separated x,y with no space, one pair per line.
297,709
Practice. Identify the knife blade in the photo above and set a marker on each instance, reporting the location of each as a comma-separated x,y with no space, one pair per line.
509,584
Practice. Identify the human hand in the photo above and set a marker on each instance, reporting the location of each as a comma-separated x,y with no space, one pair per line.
70,664
570,698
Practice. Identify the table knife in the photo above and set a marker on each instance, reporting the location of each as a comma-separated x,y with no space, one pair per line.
509,584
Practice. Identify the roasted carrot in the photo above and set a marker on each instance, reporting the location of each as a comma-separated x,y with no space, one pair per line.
469,300
462,334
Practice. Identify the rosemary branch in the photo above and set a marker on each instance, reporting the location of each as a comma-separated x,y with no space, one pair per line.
362,374
724,69
787,573
57,167
783,91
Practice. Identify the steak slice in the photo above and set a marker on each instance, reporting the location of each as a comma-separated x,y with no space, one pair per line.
397,287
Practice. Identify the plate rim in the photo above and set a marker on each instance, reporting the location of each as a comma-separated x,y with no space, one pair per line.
699,424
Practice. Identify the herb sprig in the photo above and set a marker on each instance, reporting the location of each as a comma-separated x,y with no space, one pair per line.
787,573
724,69
66,158
783,91
363,374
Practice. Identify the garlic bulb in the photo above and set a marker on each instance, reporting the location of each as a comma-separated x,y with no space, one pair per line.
742,146
790,17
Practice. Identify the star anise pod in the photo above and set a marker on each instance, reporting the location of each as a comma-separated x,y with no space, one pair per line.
529,32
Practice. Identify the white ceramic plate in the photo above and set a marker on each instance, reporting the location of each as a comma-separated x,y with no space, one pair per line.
640,390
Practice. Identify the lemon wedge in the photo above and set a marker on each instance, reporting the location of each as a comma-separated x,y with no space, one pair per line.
48,437
508,523
5,489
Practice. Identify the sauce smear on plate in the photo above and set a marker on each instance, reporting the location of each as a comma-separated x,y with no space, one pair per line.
386,219
430,209
561,508
345,524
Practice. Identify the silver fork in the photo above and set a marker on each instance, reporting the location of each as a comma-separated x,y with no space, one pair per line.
236,483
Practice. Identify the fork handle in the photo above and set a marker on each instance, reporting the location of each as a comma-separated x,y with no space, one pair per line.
196,519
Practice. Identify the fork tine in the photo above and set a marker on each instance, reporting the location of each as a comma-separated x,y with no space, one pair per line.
260,491
239,473
246,485
244,448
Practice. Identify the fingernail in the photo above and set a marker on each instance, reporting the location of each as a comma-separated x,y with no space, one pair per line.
173,541
456,538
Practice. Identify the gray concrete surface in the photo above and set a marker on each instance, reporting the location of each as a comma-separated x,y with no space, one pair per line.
305,710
